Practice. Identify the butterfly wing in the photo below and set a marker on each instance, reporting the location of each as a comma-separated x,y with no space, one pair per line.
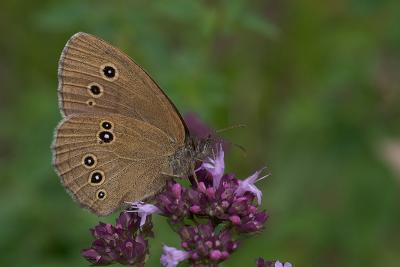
119,128
95,77
106,160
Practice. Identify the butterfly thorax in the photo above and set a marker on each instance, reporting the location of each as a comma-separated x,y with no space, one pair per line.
195,150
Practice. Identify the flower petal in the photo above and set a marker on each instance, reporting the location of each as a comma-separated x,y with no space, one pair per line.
247,185
215,166
171,256
143,210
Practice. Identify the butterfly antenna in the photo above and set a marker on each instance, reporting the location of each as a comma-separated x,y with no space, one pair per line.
231,127
241,148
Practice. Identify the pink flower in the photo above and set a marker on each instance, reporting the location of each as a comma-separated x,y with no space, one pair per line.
235,219
143,210
215,166
171,256
279,264
247,185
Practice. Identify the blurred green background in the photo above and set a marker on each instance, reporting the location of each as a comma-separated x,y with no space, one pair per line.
316,82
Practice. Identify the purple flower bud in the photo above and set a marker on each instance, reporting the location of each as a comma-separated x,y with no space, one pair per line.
252,209
95,258
224,255
195,209
215,255
194,256
211,192
235,219
202,187
253,222
184,245
186,233
177,190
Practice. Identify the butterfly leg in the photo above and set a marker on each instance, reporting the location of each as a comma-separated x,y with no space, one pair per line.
194,175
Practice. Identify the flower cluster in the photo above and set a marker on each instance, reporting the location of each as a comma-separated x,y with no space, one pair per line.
124,243
217,196
219,201
205,246
210,216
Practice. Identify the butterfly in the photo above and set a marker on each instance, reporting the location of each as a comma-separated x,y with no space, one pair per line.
120,137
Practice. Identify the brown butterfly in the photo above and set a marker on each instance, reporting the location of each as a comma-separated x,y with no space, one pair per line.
120,136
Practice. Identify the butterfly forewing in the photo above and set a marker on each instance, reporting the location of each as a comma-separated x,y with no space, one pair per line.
95,77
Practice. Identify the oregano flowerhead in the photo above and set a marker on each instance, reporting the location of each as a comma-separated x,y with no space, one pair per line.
210,216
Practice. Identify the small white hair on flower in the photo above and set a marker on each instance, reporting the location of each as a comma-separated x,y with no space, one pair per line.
171,256
248,185
143,210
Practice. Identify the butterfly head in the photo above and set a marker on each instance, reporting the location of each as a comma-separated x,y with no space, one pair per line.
191,154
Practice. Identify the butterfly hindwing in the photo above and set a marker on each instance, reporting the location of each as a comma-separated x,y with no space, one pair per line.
105,160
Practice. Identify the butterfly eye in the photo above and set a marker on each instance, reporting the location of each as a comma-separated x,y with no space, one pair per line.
89,161
109,72
96,90
106,136
101,194
96,178
106,125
